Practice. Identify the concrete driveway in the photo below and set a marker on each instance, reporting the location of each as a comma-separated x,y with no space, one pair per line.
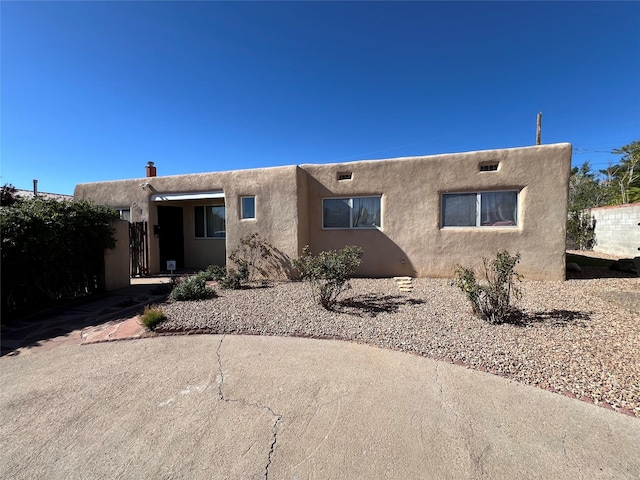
214,407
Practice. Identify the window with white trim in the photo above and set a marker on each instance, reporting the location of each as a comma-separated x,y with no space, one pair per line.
247,207
480,209
209,221
356,212
124,213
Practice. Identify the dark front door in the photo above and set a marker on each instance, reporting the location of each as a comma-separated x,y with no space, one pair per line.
171,237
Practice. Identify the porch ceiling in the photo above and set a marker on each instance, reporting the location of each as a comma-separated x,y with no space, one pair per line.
165,197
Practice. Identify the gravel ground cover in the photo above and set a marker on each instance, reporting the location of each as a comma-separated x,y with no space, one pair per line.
580,337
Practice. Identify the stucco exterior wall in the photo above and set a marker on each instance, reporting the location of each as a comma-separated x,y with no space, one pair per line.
276,205
116,260
276,196
617,229
411,240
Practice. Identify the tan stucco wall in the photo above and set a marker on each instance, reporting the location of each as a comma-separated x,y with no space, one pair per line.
116,260
302,179
275,190
411,241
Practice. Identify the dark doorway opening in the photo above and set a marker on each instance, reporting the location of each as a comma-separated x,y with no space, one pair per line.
171,237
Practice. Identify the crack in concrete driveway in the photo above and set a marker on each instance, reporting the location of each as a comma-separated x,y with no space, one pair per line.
290,408
277,416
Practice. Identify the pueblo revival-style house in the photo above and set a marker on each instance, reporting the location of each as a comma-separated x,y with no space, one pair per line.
413,216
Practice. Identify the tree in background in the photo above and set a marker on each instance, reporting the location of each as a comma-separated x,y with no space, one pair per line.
616,185
585,189
8,196
622,181
585,192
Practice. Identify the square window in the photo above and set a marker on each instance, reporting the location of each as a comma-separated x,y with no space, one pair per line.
480,209
459,210
209,221
336,213
124,213
498,209
248,207
358,212
215,222
366,212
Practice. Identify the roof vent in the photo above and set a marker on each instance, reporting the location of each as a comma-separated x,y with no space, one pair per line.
344,176
489,166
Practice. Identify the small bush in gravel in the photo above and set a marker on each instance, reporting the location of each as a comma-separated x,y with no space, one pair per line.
491,301
328,272
229,278
215,272
234,279
152,316
192,288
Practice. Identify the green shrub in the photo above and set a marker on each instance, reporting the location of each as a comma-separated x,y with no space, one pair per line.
215,272
192,288
491,301
229,278
328,272
234,279
52,250
152,316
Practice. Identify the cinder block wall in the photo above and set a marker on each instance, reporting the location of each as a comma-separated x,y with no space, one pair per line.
617,230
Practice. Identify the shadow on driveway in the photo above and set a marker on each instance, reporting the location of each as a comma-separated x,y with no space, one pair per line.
67,323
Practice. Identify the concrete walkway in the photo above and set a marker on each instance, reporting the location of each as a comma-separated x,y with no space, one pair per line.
110,316
207,406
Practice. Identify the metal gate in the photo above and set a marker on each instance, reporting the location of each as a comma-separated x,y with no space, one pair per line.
139,249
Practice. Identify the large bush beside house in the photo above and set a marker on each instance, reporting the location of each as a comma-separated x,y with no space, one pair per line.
52,250
328,272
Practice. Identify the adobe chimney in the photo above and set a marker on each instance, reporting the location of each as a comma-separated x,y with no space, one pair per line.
151,170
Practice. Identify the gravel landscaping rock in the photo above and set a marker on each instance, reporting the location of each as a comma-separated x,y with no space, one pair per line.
579,337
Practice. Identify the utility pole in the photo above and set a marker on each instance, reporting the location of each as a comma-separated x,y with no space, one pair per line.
539,129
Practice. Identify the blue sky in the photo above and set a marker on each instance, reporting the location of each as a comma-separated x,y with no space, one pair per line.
91,91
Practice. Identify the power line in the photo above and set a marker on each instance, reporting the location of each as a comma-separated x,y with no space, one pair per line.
591,150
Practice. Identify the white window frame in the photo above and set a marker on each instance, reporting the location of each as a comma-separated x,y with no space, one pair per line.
242,211
350,203
478,195
205,236
123,213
